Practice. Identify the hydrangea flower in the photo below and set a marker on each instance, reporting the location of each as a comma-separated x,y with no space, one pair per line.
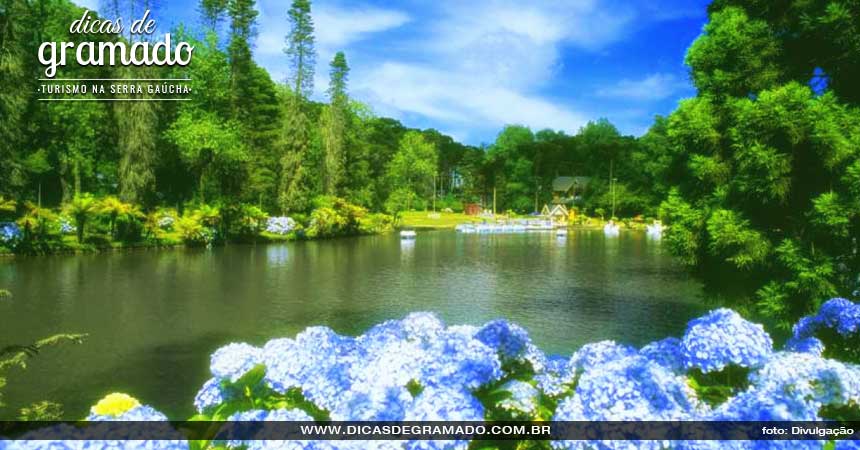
666,352
723,337
318,362
809,379
599,353
83,444
386,403
9,232
166,222
749,445
523,399
454,358
209,395
234,360
66,226
810,345
554,376
259,415
508,340
630,388
838,314
847,445
443,404
114,407
280,225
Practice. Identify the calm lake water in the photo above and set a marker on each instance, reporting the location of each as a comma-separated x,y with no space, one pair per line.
154,317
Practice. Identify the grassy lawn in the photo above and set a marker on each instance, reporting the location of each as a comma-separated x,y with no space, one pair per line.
427,219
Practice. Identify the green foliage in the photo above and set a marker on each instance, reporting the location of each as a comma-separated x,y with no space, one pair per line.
209,146
7,205
42,411
735,55
37,224
765,171
335,217
300,47
800,274
714,388
193,232
242,221
731,238
250,393
412,170
82,208
18,356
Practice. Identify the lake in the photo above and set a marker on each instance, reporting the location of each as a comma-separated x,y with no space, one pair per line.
155,316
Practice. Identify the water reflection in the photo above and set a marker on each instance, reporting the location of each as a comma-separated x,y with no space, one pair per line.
278,255
154,317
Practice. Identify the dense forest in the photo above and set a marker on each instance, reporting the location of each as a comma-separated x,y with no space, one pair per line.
758,176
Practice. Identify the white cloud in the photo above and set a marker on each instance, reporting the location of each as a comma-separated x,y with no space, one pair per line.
459,99
466,65
654,87
339,27
334,27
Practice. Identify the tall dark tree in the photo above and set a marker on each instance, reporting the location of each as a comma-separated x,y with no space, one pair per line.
765,175
213,12
333,123
300,48
243,16
296,140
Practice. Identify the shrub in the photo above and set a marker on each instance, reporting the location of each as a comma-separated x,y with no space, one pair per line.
10,234
280,225
81,209
242,221
451,202
37,224
335,217
376,223
122,214
193,232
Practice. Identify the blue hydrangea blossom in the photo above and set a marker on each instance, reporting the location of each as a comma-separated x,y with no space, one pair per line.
723,337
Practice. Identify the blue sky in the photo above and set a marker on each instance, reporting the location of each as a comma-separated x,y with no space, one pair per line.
467,68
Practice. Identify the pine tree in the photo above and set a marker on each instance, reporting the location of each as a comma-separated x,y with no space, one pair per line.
296,139
213,12
300,48
333,122
243,16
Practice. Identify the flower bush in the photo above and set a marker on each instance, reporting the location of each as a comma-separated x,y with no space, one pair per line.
280,225
833,332
10,233
66,226
418,368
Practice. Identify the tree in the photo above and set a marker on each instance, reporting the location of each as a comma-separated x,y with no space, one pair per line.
213,12
82,208
137,144
295,139
115,208
413,168
511,168
764,169
333,121
206,144
816,39
300,48
243,16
